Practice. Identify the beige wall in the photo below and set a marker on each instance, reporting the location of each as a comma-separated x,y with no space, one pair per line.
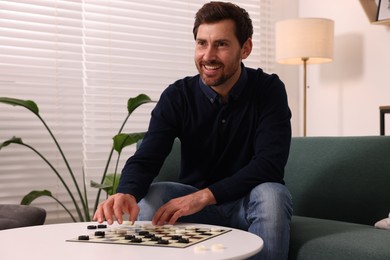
345,95
286,9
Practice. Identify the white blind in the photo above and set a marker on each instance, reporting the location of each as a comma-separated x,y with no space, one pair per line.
80,61
40,54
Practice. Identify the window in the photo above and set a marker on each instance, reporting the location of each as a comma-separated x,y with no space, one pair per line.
80,61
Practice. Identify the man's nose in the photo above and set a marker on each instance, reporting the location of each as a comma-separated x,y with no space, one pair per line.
210,53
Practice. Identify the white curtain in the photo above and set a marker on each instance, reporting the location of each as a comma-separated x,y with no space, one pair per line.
80,61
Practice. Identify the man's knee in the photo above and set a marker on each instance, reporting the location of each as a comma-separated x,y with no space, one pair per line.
272,196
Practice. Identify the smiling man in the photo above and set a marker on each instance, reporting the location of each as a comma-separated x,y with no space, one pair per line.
234,126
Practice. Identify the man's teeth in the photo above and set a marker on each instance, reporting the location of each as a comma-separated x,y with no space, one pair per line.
211,67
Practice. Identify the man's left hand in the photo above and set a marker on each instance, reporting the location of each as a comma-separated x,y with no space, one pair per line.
183,206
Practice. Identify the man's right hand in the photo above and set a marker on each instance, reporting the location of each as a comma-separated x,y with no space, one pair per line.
114,208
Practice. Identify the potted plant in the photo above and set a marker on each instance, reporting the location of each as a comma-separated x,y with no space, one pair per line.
108,182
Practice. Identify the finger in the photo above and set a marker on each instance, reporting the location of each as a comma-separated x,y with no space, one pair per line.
175,217
157,215
164,217
98,216
133,213
118,215
119,209
107,211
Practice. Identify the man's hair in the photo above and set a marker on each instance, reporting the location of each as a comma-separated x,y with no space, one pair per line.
217,11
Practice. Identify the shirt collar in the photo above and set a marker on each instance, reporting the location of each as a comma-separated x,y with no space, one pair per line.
212,96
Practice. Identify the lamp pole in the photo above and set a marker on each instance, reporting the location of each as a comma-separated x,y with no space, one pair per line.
304,59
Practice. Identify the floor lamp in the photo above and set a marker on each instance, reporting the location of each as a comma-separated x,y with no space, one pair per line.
304,41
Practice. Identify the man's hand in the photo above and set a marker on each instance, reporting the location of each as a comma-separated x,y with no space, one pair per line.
183,206
114,208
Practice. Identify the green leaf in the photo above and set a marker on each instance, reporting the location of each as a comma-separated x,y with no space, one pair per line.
29,104
13,140
133,103
109,180
122,140
97,185
34,195
107,184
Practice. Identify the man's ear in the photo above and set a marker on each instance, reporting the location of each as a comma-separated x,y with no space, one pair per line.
246,49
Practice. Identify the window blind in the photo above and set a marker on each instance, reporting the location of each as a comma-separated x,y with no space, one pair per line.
40,53
81,60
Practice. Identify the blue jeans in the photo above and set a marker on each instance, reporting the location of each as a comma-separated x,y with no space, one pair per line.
266,211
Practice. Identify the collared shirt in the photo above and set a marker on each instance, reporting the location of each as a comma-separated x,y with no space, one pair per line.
227,147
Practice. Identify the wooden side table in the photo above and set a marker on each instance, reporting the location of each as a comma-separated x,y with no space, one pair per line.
382,111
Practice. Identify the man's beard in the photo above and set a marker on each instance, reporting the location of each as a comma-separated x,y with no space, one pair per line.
215,83
211,81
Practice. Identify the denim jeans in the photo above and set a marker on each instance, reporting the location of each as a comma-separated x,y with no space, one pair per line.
266,211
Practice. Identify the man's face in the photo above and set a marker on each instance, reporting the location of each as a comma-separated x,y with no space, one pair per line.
218,53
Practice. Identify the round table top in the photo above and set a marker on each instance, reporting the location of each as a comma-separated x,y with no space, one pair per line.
49,242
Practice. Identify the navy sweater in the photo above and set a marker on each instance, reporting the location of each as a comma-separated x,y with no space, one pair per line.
229,148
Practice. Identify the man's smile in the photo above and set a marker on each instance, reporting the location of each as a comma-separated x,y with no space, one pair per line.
212,67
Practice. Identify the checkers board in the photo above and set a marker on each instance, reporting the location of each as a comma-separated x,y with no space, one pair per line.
149,235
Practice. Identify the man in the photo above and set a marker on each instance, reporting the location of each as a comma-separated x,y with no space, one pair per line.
234,126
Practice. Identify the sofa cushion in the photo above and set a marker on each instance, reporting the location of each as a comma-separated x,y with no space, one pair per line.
318,239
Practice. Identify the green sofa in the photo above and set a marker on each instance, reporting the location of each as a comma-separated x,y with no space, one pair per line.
340,188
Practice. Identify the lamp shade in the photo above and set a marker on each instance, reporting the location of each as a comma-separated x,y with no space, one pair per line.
309,38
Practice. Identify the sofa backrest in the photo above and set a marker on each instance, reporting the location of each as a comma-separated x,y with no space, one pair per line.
340,178
171,168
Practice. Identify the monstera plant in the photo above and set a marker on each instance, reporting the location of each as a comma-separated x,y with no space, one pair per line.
108,181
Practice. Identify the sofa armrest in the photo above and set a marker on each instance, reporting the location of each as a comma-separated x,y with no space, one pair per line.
13,215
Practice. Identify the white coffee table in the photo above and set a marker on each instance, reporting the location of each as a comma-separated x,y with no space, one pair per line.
49,242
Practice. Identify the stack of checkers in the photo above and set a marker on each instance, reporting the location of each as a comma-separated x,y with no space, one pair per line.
149,235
